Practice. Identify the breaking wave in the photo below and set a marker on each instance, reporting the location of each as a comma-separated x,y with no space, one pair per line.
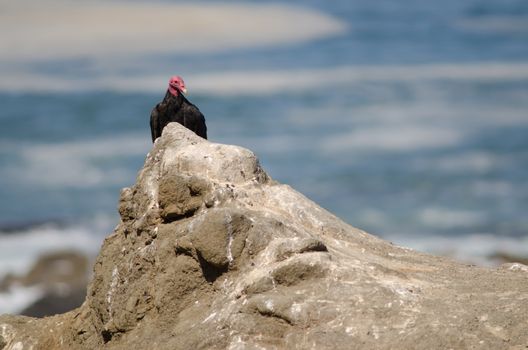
19,250
478,248
66,29
77,164
266,82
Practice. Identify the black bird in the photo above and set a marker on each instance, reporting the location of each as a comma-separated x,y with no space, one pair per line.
176,108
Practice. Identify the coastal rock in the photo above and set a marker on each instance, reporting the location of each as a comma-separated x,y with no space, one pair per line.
211,253
60,277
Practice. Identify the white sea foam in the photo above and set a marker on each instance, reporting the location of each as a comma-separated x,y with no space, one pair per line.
398,139
43,29
430,107
475,248
18,298
443,218
273,81
262,82
431,123
476,161
74,164
495,188
19,250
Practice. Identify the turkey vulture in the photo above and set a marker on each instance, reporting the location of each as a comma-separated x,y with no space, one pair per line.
176,108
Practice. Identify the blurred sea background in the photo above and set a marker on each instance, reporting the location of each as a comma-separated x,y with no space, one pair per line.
406,119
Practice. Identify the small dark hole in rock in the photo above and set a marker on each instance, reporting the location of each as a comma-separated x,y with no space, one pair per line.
175,217
210,272
107,336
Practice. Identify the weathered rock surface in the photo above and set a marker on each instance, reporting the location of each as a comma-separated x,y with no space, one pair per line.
213,254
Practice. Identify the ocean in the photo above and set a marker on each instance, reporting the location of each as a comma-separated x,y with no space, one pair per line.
406,119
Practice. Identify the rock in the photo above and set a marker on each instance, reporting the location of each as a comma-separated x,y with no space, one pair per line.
61,268
211,253
62,276
8,281
509,258
55,302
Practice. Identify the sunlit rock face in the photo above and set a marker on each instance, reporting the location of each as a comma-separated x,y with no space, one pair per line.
211,253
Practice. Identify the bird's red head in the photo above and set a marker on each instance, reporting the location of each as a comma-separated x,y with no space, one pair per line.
176,85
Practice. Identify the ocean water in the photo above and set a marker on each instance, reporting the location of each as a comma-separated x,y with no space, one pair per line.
408,120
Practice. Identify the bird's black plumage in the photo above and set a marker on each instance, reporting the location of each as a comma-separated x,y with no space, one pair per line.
177,109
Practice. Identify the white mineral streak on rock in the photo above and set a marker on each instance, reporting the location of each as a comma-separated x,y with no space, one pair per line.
375,332
269,304
146,251
149,177
210,317
4,330
111,290
6,333
238,344
19,346
7,341
229,226
518,267
296,309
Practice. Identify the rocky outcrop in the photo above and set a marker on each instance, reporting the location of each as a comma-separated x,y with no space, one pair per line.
60,277
211,253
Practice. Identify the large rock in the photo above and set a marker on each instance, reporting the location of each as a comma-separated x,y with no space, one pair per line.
213,254
60,277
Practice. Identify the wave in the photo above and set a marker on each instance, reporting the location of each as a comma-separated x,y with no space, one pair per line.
478,248
25,243
398,139
16,227
495,24
266,82
443,218
71,29
19,250
76,164
18,298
